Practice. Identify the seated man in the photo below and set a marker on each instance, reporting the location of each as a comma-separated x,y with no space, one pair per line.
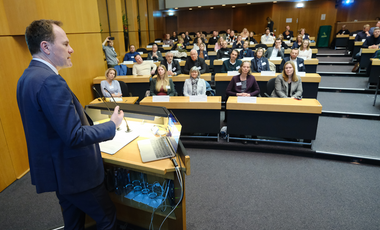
232,64
246,52
110,53
186,39
214,38
276,51
231,38
343,30
168,41
194,60
143,68
131,55
238,44
223,52
172,66
225,36
373,28
198,35
288,34
298,62
362,35
155,55
267,38
373,41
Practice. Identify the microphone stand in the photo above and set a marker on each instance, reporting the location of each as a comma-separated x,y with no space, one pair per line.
126,123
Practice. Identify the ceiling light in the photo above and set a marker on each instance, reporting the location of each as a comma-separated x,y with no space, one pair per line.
190,8
248,3
199,6
300,5
233,6
274,1
176,8
211,8
224,5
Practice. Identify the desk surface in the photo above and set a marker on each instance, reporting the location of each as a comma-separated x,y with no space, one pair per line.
183,102
126,100
313,51
309,77
343,36
288,105
358,43
183,77
313,61
369,51
126,79
375,61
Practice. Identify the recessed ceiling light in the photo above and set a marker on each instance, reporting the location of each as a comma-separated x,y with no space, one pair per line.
199,6
233,6
248,3
176,8
190,8
274,1
300,5
211,7
224,5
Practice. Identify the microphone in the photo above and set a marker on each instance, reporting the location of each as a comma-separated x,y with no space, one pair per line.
93,87
126,123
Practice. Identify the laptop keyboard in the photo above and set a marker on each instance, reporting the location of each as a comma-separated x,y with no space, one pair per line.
160,147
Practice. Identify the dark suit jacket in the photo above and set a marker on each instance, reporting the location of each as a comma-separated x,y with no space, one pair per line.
175,66
252,86
200,62
280,53
371,40
223,53
300,64
213,40
287,37
254,67
62,143
237,46
249,53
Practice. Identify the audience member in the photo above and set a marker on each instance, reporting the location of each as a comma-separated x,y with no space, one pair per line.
111,84
288,84
155,55
198,43
194,85
223,52
304,51
174,37
231,38
214,39
246,52
187,38
181,48
172,66
288,34
251,38
304,34
270,24
238,44
194,60
231,64
244,34
198,35
299,65
204,39
110,53
343,30
283,44
267,38
143,67
373,41
161,83
373,28
276,51
244,84
225,36
168,41
131,55
362,35
202,53
259,62
219,45
297,44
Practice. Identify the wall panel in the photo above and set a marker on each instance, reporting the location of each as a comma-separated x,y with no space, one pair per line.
144,24
7,173
4,28
253,17
133,26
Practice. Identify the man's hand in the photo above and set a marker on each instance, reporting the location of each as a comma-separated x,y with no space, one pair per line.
170,73
153,71
117,117
373,47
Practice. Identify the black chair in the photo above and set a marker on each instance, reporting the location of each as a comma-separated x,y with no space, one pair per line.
161,50
205,33
124,89
152,43
192,33
270,87
97,87
261,46
180,33
222,32
377,89
211,32
235,31
141,50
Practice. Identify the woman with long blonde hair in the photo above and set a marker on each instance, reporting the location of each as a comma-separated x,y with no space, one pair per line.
161,83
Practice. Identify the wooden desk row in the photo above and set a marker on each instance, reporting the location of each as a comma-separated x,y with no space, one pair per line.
374,71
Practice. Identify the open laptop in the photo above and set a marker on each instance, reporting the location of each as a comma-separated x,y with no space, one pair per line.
162,147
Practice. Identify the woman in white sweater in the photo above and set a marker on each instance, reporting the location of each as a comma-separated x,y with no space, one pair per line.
194,85
305,51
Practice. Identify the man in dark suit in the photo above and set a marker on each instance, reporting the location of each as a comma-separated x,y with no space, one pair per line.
64,154
172,66
298,62
288,34
194,60
223,52
214,39
276,51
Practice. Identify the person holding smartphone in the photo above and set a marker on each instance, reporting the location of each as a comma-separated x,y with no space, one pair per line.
109,51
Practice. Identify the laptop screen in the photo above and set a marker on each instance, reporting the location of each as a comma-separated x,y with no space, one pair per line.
173,134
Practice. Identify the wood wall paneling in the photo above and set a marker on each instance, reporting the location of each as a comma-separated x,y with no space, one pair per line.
7,173
144,23
4,28
171,24
253,17
103,19
159,20
360,10
116,23
354,26
282,11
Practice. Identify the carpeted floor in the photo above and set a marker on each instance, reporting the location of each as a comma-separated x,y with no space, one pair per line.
344,82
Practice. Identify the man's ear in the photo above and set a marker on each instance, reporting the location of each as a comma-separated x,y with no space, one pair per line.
45,47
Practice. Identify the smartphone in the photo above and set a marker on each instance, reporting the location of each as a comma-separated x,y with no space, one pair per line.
111,38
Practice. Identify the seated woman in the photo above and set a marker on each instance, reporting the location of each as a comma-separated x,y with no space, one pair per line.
246,52
244,34
304,34
298,42
194,85
288,84
232,64
202,53
218,45
244,84
196,45
251,38
204,38
305,51
111,84
259,62
174,37
161,84
238,44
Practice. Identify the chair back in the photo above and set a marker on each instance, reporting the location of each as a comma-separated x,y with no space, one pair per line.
124,89
141,50
270,86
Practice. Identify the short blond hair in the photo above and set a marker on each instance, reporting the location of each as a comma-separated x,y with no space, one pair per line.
249,71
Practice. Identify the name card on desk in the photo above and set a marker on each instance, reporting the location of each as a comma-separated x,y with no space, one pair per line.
223,59
117,99
161,98
302,74
247,58
157,41
141,53
165,46
148,46
354,35
198,98
232,73
251,43
268,73
275,58
127,62
246,99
